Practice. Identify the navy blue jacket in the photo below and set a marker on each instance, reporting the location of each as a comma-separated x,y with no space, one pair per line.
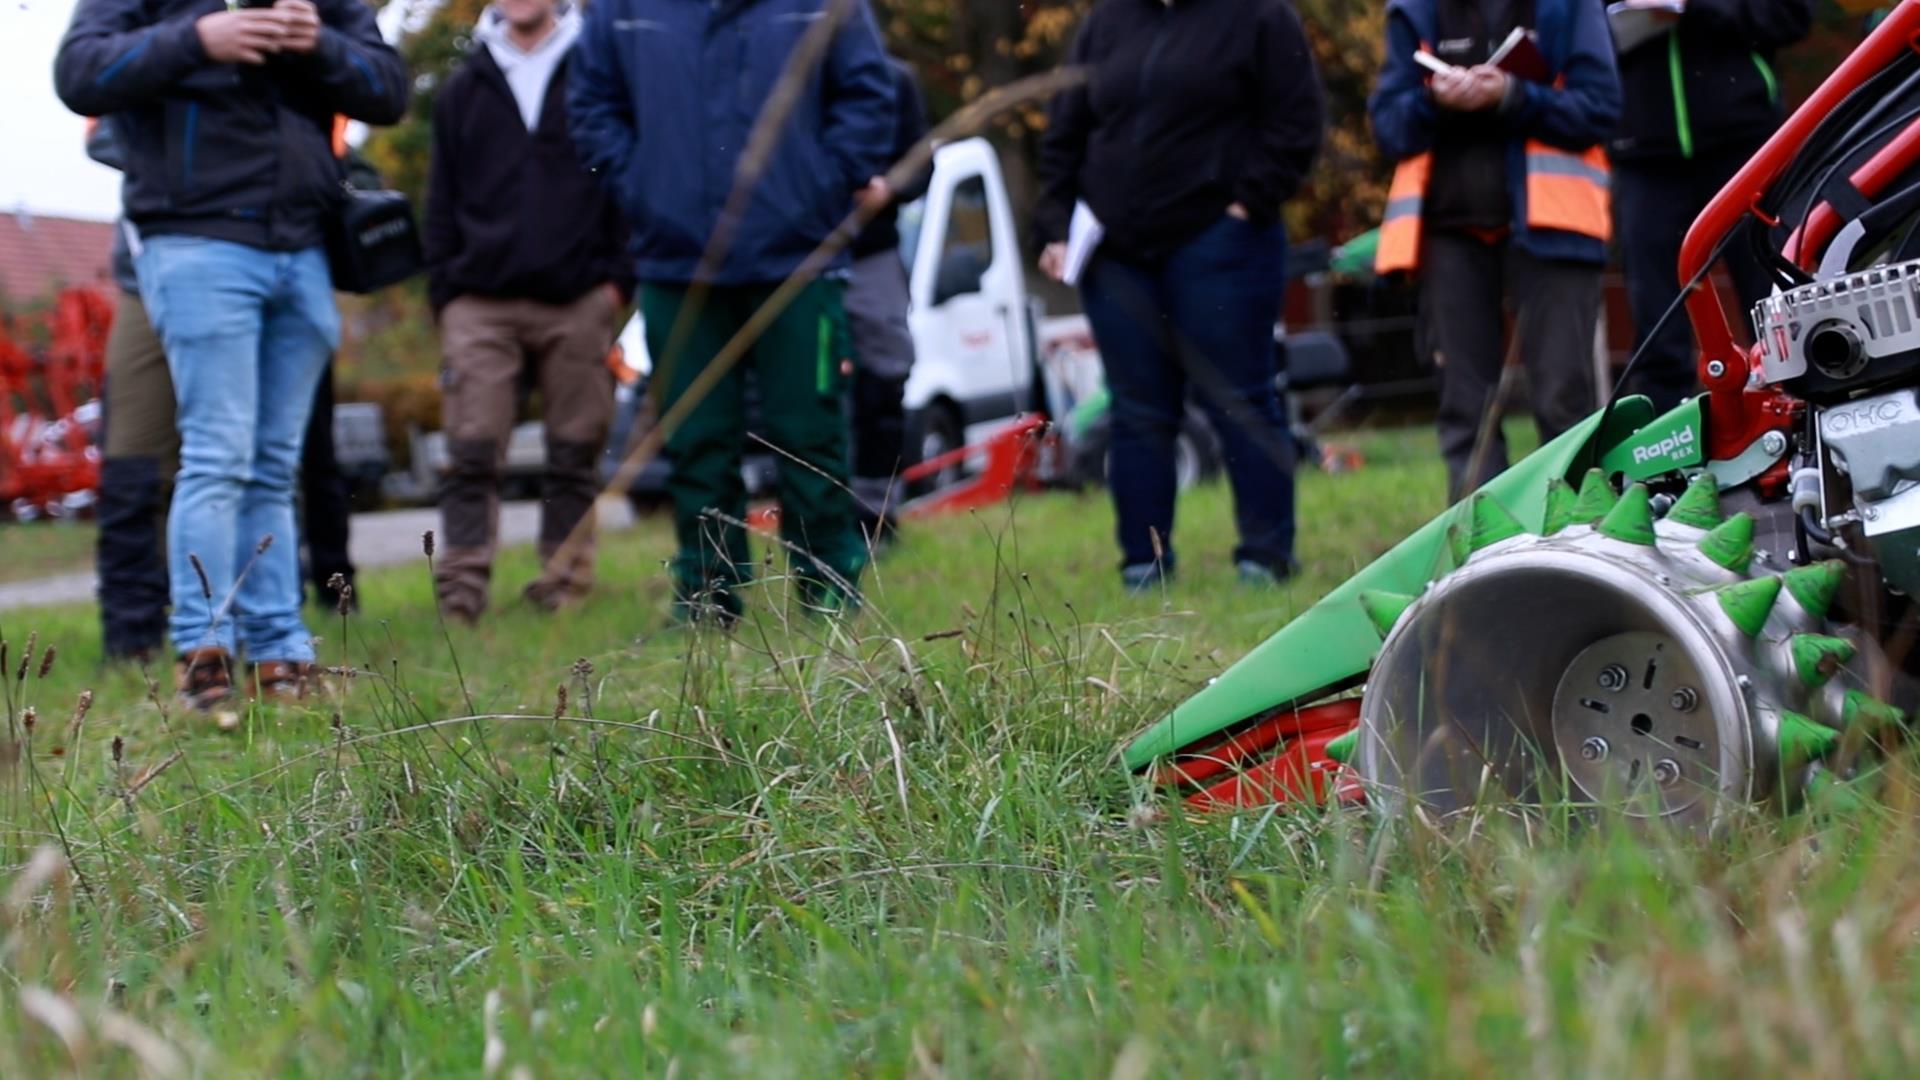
229,151
1578,114
662,95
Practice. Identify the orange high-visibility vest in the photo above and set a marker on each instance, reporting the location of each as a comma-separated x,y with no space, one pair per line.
1565,191
339,135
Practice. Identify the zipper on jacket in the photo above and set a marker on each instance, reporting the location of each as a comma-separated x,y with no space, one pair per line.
187,135
1682,126
1767,76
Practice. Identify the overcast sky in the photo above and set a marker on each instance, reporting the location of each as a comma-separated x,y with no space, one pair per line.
45,168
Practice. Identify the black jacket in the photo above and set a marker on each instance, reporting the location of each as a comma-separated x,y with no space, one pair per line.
1189,108
1721,58
909,127
513,213
228,151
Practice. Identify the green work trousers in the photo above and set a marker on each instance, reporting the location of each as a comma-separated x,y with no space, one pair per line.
799,366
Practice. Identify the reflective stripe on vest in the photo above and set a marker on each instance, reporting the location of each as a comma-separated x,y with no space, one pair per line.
1400,226
1568,191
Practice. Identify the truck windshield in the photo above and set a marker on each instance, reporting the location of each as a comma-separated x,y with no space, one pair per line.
911,216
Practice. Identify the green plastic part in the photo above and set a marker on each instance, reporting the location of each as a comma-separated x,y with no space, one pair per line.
1631,519
1672,441
1384,608
1730,544
1596,498
1861,709
1802,740
1699,506
1817,657
1815,586
1748,603
1330,646
1830,794
1342,748
1459,543
1492,523
1559,513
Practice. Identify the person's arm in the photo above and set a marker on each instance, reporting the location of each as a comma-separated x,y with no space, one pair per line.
442,240
1289,118
1063,145
909,127
112,58
1402,108
599,109
858,127
1584,107
351,69
1763,24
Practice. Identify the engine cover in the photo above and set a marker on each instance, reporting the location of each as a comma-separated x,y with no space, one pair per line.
1875,442
1833,338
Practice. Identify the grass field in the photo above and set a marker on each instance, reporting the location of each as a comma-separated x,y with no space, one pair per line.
897,846
44,548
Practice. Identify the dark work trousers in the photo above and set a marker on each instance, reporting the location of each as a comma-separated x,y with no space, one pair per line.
1467,288
140,449
882,360
325,505
1654,204
139,453
1202,317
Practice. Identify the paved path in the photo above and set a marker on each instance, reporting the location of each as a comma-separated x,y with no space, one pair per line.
387,538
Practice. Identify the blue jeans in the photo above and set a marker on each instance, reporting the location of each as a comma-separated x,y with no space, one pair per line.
247,334
1202,316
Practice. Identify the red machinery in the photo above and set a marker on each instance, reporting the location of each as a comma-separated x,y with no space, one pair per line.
52,366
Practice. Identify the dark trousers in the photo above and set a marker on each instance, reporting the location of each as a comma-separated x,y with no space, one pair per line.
1203,316
882,360
798,365
325,503
1654,204
1467,287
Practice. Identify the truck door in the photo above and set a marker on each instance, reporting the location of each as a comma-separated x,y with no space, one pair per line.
968,291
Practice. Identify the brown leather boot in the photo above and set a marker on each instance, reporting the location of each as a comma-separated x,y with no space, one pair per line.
285,681
204,678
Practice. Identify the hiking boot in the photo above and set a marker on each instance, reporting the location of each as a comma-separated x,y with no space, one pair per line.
551,596
285,681
1138,578
203,678
1255,573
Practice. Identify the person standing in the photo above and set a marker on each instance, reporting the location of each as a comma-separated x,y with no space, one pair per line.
877,322
528,270
1498,201
663,98
1699,100
1198,121
230,173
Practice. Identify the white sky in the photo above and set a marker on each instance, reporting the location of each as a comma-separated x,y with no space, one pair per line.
43,164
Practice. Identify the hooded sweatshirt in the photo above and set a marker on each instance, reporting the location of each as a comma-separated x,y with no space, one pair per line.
511,213
528,73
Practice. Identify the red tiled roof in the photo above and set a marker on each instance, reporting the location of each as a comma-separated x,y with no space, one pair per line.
40,254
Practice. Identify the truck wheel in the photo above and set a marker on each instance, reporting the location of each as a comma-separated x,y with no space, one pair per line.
940,431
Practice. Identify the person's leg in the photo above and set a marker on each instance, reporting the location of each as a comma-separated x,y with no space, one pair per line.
882,360
208,301
799,364
1652,212
326,511
705,450
569,344
1127,312
1463,322
299,335
481,359
139,453
1555,307
1223,293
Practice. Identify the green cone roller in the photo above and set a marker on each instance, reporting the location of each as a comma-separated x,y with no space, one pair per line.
1561,632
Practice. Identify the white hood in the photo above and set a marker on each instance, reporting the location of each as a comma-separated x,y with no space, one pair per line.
529,73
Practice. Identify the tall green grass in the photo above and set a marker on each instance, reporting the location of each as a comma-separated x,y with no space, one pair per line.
899,845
